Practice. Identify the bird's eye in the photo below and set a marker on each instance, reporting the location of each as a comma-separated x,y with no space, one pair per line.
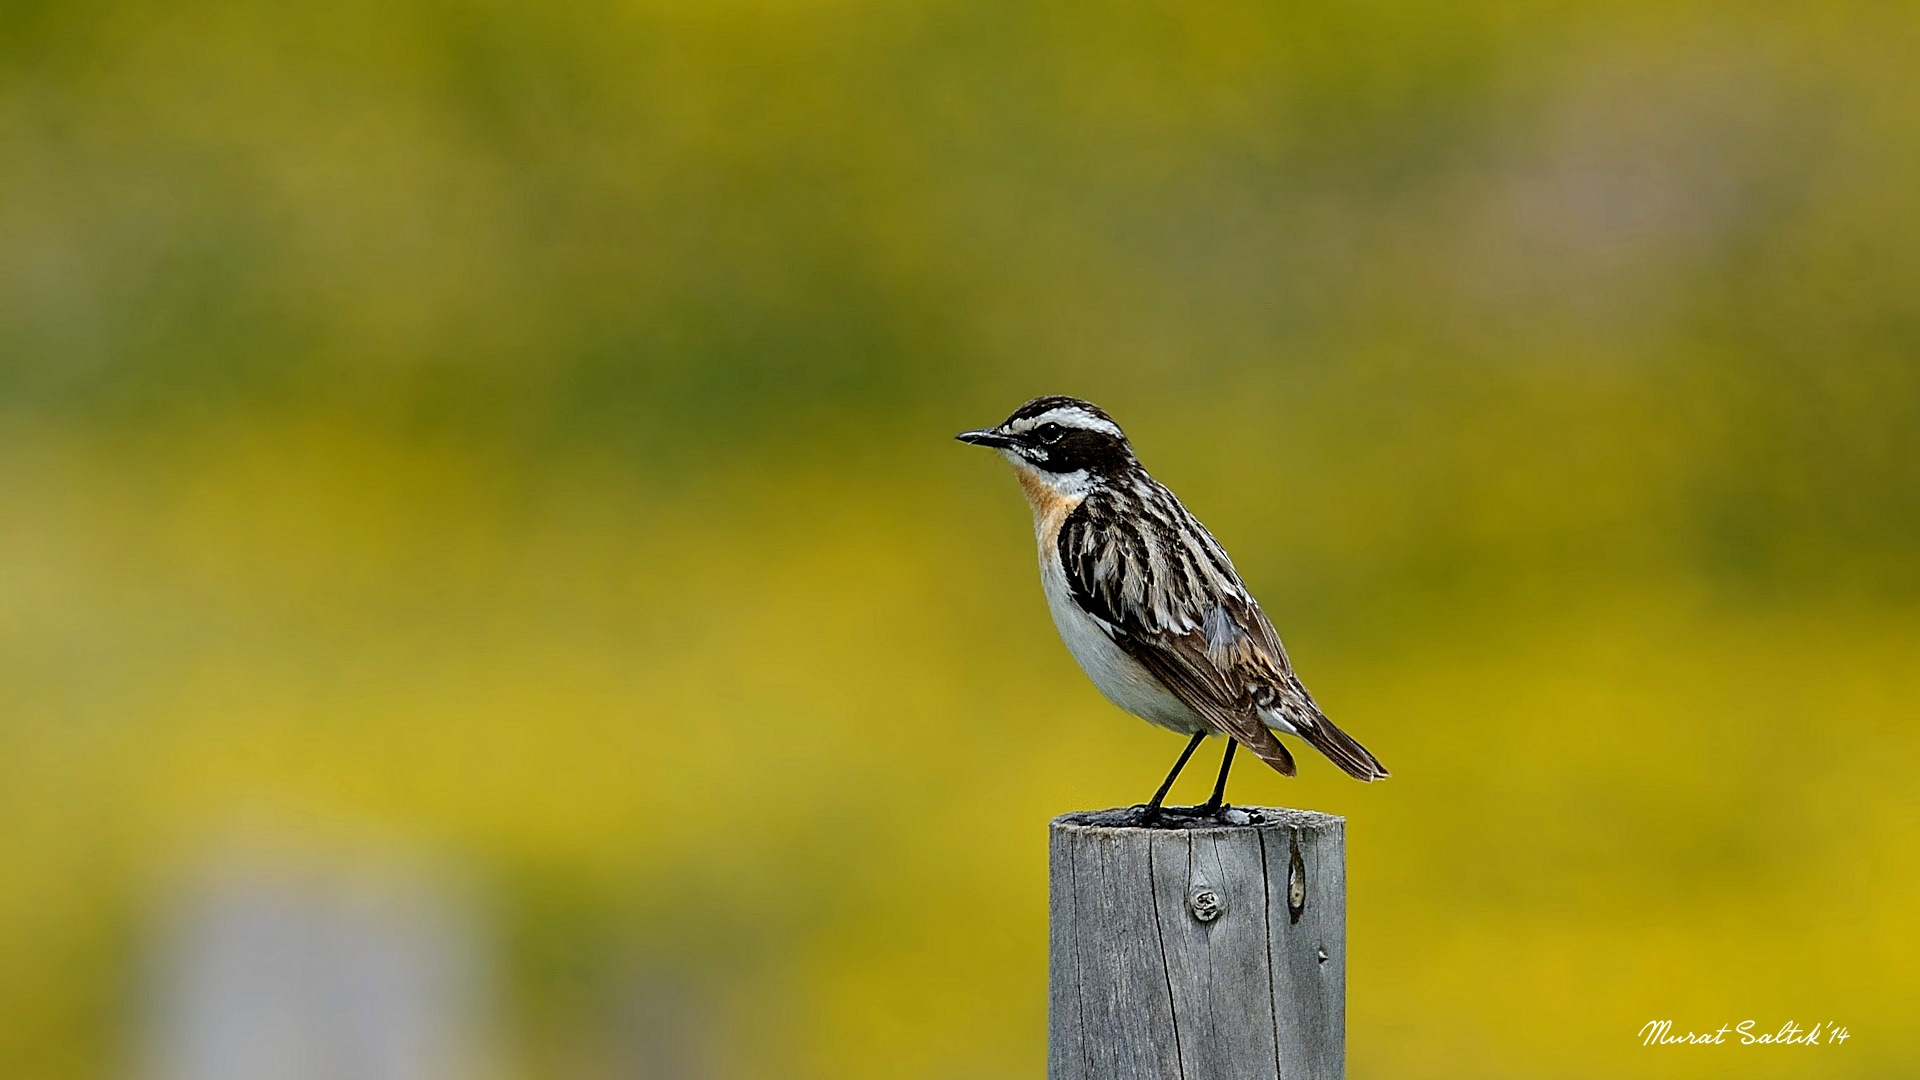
1049,433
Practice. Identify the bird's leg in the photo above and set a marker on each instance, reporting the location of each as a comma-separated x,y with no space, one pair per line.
1152,812
1220,786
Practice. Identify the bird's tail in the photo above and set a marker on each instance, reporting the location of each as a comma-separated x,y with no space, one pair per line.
1341,748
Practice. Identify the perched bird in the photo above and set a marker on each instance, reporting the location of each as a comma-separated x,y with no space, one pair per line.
1149,604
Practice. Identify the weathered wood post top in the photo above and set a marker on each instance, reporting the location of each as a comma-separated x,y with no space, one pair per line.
1205,948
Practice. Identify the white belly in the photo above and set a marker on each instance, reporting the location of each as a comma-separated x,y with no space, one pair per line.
1118,676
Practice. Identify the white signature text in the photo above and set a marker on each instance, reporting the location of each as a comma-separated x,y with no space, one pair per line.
1824,1033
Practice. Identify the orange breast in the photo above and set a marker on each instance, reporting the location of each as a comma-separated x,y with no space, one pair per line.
1050,507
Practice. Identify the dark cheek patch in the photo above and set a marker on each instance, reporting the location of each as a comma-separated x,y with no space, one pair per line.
1093,450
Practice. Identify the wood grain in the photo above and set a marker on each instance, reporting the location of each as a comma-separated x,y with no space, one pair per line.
1206,951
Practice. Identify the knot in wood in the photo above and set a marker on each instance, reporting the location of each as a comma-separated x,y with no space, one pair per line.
1296,880
1205,903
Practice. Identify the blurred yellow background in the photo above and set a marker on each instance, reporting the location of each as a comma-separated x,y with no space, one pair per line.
476,496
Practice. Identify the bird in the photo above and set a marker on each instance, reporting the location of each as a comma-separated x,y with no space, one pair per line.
1148,603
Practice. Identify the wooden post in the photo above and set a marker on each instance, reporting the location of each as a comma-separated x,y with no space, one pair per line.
1202,951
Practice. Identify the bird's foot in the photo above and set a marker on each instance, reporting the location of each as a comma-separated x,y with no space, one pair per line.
1146,816
1220,813
1149,816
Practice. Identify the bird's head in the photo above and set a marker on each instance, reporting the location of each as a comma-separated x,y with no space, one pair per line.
1062,441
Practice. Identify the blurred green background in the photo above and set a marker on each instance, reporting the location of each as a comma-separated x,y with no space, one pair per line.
510,443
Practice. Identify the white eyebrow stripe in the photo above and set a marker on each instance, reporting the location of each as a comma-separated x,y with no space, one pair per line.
1066,416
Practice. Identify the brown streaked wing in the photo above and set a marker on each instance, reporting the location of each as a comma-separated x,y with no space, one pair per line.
1204,639
1171,659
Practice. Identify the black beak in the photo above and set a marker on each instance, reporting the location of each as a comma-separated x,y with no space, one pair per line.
985,437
